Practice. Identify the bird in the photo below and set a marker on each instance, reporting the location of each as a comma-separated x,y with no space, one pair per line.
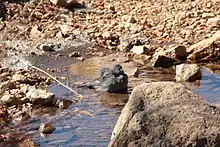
112,80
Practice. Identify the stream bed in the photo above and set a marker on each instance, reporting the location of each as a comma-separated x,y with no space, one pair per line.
100,110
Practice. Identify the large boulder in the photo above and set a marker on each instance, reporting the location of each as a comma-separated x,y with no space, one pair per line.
166,114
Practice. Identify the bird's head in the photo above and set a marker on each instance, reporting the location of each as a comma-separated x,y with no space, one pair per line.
117,69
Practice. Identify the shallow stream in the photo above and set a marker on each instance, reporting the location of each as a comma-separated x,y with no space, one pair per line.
93,127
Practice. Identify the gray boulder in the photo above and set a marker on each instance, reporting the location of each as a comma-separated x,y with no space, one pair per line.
188,72
166,114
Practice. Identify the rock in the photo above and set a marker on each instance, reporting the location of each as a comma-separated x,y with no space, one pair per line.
10,99
80,58
127,45
2,25
166,114
214,21
188,72
107,35
3,10
40,96
141,59
47,47
64,3
162,61
206,49
46,128
63,103
74,54
18,77
133,72
173,51
207,15
140,50
65,30
35,33
131,19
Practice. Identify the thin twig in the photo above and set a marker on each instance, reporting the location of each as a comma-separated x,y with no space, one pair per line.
80,96
35,9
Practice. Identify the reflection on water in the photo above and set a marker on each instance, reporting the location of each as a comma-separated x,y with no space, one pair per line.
84,130
209,86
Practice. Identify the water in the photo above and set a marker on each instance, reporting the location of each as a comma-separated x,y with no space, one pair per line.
81,129
209,86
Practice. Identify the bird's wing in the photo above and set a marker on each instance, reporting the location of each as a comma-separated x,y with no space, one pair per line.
104,71
94,84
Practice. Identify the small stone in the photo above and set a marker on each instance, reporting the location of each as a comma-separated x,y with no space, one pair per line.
65,30
64,3
2,25
40,96
80,58
207,15
133,72
188,72
107,35
18,77
35,33
140,49
131,19
102,54
46,128
47,47
74,54
214,21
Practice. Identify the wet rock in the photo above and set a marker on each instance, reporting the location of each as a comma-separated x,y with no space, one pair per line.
40,96
188,72
166,114
162,61
207,49
63,103
46,128
140,50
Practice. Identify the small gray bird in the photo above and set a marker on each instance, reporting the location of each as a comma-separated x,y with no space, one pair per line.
112,80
